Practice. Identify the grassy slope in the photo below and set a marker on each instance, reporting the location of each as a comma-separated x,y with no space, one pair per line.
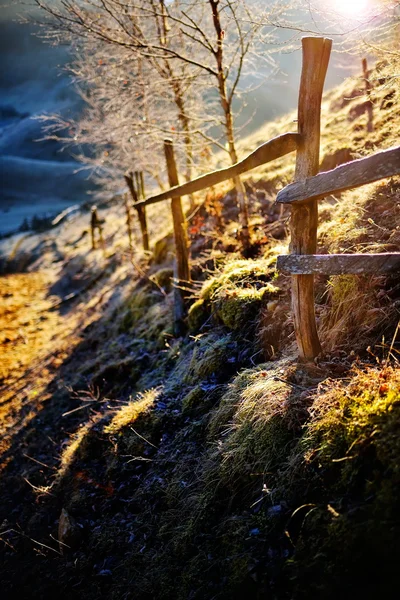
214,466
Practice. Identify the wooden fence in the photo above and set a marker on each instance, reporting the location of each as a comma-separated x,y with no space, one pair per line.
309,186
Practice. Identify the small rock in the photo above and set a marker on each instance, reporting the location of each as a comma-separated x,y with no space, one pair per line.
69,533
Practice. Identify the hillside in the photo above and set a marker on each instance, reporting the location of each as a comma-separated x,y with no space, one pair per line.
136,464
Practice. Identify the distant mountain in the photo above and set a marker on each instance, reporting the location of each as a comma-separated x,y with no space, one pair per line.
37,175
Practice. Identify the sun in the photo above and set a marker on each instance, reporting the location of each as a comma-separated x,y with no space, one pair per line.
354,8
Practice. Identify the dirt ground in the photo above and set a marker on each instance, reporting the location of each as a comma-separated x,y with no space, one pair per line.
43,312
30,336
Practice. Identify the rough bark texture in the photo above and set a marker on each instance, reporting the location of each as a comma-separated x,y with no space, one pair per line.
181,240
226,104
141,211
143,227
348,176
128,221
338,264
368,87
275,148
96,223
304,219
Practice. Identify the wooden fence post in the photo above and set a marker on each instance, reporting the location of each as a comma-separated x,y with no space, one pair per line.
180,235
96,223
141,210
128,221
142,185
304,218
368,87
93,225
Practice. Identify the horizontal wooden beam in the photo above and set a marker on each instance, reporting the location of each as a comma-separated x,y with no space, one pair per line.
275,148
338,264
351,175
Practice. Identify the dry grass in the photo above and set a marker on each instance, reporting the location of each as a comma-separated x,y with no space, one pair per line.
255,421
128,414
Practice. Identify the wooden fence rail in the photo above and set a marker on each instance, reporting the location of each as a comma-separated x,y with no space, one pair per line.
351,175
275,148
338,264
302,196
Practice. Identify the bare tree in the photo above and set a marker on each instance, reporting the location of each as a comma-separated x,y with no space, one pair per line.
197,49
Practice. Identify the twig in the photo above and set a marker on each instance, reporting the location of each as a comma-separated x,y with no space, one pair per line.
38,462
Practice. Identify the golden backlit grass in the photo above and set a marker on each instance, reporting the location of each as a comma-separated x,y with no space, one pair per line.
128,414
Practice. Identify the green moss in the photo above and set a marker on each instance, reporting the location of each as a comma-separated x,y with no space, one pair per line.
259,418
235,296
238,307
210,357
197,315
162,248
193,399
209,288
157,323
141,299
358,414
238,273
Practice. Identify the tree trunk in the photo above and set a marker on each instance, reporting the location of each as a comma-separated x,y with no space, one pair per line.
226,105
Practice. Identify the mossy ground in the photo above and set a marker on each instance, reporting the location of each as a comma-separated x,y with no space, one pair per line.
213,465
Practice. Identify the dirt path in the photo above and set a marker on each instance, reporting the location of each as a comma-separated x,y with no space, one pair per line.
29,346
26,325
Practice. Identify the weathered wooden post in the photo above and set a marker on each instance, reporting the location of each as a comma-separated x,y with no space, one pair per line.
141,211
96,223
142,190
304,218
368,87
180,235
128,221
137,185
93,220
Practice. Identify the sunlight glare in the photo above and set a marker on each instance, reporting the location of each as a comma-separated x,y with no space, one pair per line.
354,8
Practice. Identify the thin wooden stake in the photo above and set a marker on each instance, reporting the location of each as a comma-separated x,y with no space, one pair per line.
128,221
141,211
93,224
138,186
304,218
96,223
180,235
368,87
142,185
